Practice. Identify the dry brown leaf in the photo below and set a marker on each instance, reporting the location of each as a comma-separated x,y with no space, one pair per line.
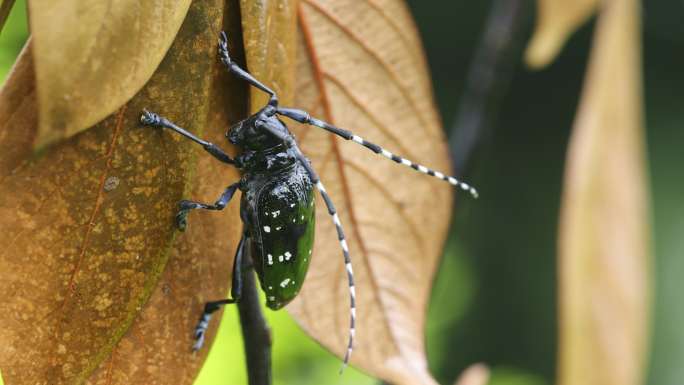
604,230
87,225
18,109
269,34
92,56
556,21
156,349
361,67
476,374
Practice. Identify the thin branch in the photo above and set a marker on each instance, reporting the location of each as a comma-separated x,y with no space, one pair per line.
255,332
488,78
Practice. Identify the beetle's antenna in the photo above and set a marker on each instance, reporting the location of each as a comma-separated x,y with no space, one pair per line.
348,265
343,243
290,142
304,117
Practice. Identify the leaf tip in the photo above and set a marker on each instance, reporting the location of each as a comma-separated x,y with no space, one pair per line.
475,374
544,47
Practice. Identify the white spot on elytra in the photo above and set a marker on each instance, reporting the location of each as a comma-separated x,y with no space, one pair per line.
278,228
302,217
271,298
276,213
270,288
292,205
288,255
270,259
285,282
267,229
280,258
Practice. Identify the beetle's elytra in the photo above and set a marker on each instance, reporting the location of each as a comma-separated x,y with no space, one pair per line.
277,205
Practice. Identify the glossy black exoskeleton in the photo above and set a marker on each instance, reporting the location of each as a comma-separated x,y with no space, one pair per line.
277,205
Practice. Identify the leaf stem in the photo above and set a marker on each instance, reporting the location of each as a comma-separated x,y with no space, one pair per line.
255,332
488,77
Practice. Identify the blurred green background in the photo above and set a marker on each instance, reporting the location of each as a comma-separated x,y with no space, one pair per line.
495,295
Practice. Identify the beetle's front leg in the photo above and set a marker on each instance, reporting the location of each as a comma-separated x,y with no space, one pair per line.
151,119
185,206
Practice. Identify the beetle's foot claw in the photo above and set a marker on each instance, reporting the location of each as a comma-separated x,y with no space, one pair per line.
223,38
149,118
182,220
223,48
199,340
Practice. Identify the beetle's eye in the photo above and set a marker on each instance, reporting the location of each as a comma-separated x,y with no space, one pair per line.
234,133
234,128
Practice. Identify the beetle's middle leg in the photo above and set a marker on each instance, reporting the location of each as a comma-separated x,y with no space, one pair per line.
185,206
235,293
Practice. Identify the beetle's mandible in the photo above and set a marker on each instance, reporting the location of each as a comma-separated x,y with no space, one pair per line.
277,205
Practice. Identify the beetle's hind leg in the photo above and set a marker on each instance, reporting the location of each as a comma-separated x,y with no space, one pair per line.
185,206
235,293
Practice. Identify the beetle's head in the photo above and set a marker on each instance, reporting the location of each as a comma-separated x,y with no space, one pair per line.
248,135
237,132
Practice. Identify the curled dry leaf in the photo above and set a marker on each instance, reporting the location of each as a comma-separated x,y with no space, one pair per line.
87,225
476,374
604,229
360,66
156,349
556,21
18,109
270,38
92,56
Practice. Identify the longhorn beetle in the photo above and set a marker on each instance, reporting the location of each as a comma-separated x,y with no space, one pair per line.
277,204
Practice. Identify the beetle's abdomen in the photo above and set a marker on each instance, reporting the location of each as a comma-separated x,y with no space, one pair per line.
283,229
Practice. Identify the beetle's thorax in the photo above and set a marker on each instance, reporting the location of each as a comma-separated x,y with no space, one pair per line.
268,160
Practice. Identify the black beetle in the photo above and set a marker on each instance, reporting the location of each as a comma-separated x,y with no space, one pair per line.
277,206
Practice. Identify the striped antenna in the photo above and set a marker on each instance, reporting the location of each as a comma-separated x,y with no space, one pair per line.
304,117
350,271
